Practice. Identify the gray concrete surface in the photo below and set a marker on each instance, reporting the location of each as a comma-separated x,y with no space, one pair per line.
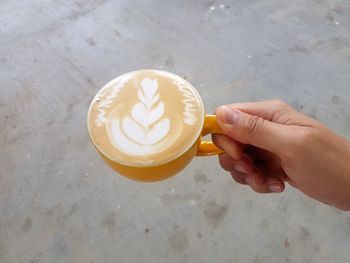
60,203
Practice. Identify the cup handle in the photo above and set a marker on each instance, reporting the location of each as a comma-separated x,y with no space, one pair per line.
207,148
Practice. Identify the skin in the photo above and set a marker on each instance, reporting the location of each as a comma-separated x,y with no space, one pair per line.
267,144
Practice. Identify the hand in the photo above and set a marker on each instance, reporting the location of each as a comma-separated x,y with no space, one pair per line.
269,143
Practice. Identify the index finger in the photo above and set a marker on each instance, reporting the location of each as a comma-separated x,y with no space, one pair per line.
265,109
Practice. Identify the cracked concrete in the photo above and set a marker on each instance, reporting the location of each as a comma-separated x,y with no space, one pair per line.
60,203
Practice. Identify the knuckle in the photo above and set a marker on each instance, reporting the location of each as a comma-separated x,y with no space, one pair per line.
279,103
258,190
226,162
281,110
255,125
238,177
223,161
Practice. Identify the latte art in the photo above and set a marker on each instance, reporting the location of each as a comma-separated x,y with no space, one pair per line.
147,124
145,117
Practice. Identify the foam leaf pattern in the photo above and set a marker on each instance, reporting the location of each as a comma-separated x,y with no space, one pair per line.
149,87
159,131
134,130
138,113
147,125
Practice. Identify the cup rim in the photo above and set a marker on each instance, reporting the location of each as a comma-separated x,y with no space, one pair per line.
168,160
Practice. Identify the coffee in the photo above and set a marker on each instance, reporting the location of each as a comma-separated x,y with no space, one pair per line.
145,118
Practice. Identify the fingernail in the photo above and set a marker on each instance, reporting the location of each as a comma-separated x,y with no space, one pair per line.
276,188
228,115
240,168
249,180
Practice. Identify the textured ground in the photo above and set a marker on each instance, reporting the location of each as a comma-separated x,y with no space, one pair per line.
60,203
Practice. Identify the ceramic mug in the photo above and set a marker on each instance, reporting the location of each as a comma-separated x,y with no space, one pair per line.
148,125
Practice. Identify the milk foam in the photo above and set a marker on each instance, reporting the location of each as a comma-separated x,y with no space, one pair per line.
146,126
145,118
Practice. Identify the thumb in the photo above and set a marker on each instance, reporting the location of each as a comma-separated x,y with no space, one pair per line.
253,130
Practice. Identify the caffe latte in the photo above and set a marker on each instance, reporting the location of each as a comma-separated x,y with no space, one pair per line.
145,118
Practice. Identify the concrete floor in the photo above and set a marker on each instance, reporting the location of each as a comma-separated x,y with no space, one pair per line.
60,203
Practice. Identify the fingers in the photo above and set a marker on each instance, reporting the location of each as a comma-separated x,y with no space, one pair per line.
244,165
269,110
239,177
253,130
276,111
244,172
271,185
228,145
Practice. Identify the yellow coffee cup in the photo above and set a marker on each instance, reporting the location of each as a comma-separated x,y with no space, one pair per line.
149,124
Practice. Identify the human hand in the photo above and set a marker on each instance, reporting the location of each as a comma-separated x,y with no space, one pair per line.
269,143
